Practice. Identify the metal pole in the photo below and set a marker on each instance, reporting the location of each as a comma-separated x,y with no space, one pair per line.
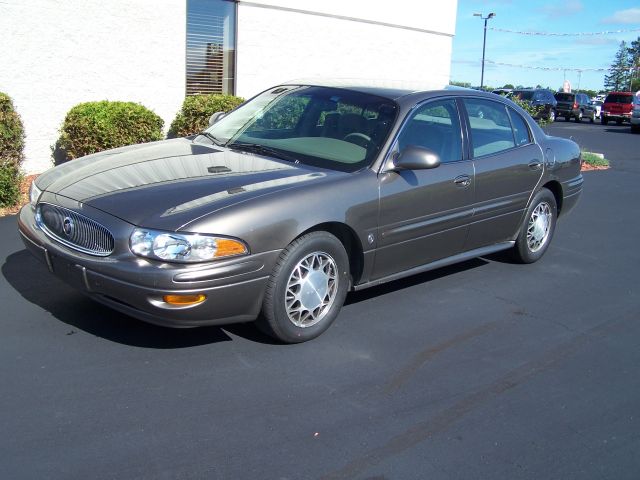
484,44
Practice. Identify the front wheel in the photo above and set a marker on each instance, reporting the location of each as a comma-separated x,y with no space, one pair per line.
537,228
306,289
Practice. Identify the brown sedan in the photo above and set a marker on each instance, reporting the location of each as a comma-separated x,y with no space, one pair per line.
298,196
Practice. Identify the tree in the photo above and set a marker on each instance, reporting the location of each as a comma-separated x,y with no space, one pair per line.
460,84
634,53
619,75
508,85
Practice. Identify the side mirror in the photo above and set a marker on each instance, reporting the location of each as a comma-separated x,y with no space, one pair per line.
215,117
416,158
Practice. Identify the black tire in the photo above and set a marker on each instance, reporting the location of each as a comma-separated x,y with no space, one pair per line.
298,260
592,118
578,117
635,128
604,120
527,249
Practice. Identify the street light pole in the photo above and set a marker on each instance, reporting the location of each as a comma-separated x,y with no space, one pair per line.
484,42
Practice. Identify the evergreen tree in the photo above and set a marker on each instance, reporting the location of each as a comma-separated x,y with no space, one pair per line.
634,53
619,74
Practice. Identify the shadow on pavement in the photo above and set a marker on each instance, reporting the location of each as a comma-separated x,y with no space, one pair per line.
35,284
384,289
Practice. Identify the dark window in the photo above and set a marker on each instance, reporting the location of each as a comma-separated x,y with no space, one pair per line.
211,38
618,98
520,129
490,127
565,97
435,126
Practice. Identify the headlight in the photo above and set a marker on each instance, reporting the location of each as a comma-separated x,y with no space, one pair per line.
178,247
34,194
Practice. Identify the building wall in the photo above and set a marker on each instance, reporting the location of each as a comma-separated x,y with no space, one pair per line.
404,43
58,53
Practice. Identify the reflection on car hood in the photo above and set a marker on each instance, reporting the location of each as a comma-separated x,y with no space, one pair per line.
167,184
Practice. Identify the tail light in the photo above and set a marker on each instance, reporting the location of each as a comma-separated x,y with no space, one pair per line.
575,105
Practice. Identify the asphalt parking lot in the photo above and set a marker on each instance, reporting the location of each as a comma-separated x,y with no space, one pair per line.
483,370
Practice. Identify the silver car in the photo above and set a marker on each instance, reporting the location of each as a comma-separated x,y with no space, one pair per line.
300,195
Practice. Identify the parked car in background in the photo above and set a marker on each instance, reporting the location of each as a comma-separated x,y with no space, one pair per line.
635,116
618,107
539,97
505,92
596,105
299,195
574,105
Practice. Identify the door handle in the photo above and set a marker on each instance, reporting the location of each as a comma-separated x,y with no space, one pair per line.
462,181
535,164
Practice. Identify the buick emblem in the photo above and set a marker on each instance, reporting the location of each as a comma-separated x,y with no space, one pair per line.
68,226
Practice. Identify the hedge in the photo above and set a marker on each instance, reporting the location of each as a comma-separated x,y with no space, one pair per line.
96,126
196,110
11,152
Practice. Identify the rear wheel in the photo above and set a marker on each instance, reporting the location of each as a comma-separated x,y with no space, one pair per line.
578,117
635,128
307,288
592,118
537,228
603,120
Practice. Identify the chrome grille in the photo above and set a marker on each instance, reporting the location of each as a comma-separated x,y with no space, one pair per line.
74,230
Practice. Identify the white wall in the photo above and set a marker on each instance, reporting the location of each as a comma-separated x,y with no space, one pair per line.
405,43
57,53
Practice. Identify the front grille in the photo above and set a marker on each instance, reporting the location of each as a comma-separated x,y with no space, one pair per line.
74,230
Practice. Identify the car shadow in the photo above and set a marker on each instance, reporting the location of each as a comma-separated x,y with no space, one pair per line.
620,129
34,283
413,280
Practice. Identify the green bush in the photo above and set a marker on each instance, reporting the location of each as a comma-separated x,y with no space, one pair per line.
11,152
194,115
96,126
536,111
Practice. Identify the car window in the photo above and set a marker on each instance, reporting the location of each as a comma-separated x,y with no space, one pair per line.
436,126
490,127
520,129
564,97
618,98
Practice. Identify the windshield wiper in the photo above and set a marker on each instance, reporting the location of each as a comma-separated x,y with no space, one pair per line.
213,138
262,150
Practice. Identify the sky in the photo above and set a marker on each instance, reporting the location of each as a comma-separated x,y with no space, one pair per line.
560,16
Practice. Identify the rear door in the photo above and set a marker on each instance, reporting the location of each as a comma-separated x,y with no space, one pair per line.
425,214
508,166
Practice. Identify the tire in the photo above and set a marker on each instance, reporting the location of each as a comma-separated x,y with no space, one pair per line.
536,232
603,120
592,118
578,117
297,308
635,128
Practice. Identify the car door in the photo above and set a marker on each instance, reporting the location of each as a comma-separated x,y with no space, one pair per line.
508,165
425,214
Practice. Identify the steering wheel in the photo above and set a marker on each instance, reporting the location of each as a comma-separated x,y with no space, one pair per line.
359,139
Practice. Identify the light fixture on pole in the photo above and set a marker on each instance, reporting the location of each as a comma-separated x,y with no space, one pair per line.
484,42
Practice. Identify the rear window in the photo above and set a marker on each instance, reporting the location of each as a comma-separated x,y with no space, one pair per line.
527,95
618,98
564,97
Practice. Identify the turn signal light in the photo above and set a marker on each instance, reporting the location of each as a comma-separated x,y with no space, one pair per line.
227,247
184,300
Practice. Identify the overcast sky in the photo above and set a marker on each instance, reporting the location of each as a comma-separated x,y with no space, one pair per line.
561,16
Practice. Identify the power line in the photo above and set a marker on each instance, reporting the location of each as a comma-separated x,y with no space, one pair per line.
553,69
556,34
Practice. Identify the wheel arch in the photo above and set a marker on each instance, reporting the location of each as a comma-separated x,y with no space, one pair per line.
555,188
349,240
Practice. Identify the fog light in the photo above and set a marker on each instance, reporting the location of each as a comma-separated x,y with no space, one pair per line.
184,299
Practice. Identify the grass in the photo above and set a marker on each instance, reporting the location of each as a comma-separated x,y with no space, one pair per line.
594,159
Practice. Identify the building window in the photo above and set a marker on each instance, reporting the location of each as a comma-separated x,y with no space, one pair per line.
211,46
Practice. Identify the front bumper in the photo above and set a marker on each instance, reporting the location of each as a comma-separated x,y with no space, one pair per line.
135,286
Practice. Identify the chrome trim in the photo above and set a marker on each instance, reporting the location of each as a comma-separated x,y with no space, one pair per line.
95,234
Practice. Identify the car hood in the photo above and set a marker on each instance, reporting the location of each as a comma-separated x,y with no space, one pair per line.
168,184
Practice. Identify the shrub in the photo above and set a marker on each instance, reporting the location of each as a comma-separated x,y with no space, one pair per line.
194,115
96,126
11,152
536,111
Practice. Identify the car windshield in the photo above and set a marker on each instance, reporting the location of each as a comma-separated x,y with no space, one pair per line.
617,98
525,95
331,128
565,97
